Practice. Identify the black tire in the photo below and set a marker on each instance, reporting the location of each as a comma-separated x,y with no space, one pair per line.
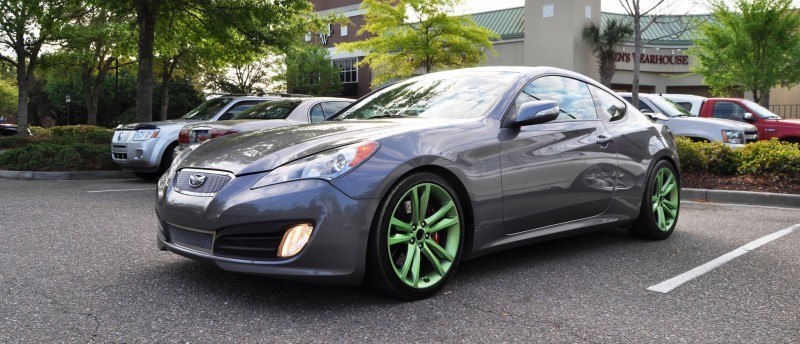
660,208
435,249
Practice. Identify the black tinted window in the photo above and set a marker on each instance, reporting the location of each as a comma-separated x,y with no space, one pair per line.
279,109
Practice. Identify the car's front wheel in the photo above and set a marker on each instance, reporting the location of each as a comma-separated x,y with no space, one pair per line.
660,204
416,242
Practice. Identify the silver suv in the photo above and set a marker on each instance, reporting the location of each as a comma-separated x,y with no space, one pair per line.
147,148
683,123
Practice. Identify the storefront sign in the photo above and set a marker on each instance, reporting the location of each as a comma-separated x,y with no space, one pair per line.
653,59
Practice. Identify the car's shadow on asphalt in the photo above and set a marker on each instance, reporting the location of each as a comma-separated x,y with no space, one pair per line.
208,282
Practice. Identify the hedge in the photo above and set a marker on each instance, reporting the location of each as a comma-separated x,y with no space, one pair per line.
773,158
63,148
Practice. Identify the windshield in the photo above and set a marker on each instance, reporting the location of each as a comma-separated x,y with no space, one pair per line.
669,107
207,109
760,110
441,95
279,109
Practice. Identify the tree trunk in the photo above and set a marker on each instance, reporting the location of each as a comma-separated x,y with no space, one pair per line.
164,92
607,69
22,94
146,11
764,98
637,53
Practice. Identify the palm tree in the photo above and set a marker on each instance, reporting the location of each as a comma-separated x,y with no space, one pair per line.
603,41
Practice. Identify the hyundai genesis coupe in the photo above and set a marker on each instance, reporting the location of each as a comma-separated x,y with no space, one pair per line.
399,187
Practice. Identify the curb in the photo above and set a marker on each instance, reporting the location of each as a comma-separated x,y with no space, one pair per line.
741,197
70,175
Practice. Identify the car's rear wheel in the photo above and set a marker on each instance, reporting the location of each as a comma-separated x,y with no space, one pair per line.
416,242
660,205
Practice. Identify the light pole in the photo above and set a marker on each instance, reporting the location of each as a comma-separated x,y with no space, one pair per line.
68,99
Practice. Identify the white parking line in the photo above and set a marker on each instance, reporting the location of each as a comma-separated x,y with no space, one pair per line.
121,190
672,283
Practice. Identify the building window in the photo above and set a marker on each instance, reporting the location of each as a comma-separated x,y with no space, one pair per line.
348,71
344,30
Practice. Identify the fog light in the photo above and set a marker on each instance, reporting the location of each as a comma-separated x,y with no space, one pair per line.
294,240
139,154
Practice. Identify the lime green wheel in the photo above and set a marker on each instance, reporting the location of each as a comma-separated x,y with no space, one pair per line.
416,243
661,203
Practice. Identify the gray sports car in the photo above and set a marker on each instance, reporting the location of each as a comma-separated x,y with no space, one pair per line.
411,179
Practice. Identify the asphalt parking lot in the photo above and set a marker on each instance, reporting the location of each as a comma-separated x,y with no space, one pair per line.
79,264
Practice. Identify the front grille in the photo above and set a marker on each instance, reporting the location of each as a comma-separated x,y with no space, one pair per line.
212,183
190,238
248,246
123,156
750,136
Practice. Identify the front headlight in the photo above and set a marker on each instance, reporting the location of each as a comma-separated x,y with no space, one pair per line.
145,134
733,136
325,165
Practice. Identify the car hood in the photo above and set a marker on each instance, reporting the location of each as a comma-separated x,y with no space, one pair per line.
264,150
722,123
155,124
793,123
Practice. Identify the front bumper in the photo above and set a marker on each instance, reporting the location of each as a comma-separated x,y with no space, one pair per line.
139,156
238,228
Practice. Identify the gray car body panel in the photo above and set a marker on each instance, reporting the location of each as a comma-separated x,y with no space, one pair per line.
475,155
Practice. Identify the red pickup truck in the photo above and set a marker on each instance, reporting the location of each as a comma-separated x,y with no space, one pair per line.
769,124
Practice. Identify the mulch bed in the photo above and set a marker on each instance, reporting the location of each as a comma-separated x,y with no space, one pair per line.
739,183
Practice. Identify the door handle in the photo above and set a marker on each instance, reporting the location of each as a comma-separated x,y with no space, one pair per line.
603,139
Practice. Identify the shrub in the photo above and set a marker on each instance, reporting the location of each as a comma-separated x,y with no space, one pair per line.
691,155
13,141
722,159
83,133
58,156
40,132
772,158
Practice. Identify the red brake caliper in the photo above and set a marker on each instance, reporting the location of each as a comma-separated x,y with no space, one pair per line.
435,237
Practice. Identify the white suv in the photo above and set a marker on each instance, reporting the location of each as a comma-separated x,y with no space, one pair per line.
147,148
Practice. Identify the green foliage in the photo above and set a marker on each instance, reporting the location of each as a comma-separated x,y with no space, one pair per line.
754,46
8,97
425,37
779,160
38,131
71,148
309,71
604,41
691,155
722,159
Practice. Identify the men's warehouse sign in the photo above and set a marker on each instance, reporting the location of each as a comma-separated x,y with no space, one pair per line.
653,59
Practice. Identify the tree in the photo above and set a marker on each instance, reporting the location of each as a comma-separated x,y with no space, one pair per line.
604,41
408,35
25,27
239,25
638,13
756,46
309,71
8,97
94,44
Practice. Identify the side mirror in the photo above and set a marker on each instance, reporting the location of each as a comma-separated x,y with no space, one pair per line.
535,112
656,116
749,117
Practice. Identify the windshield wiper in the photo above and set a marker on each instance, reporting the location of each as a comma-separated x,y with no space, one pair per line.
388,116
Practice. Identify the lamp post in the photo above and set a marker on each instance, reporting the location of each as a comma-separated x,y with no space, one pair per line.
68,99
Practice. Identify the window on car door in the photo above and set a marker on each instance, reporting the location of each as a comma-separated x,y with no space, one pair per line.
729,110
572,96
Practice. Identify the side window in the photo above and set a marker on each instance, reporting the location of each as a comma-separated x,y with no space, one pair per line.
331,108
729,110
316,114
572,96
686,105
237,108
609,108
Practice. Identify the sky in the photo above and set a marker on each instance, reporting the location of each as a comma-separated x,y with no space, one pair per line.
668,6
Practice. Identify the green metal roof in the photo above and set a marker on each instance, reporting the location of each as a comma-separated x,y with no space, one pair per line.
668,30
507,23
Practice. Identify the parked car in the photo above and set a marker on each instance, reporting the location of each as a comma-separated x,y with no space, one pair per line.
8,129
411,179
769,124
147,148
690,102
270,114
681,123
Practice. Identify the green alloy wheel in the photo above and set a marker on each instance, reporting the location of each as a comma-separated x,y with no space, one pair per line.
661,203
418,239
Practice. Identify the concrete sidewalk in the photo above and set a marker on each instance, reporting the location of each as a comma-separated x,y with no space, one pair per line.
699,195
